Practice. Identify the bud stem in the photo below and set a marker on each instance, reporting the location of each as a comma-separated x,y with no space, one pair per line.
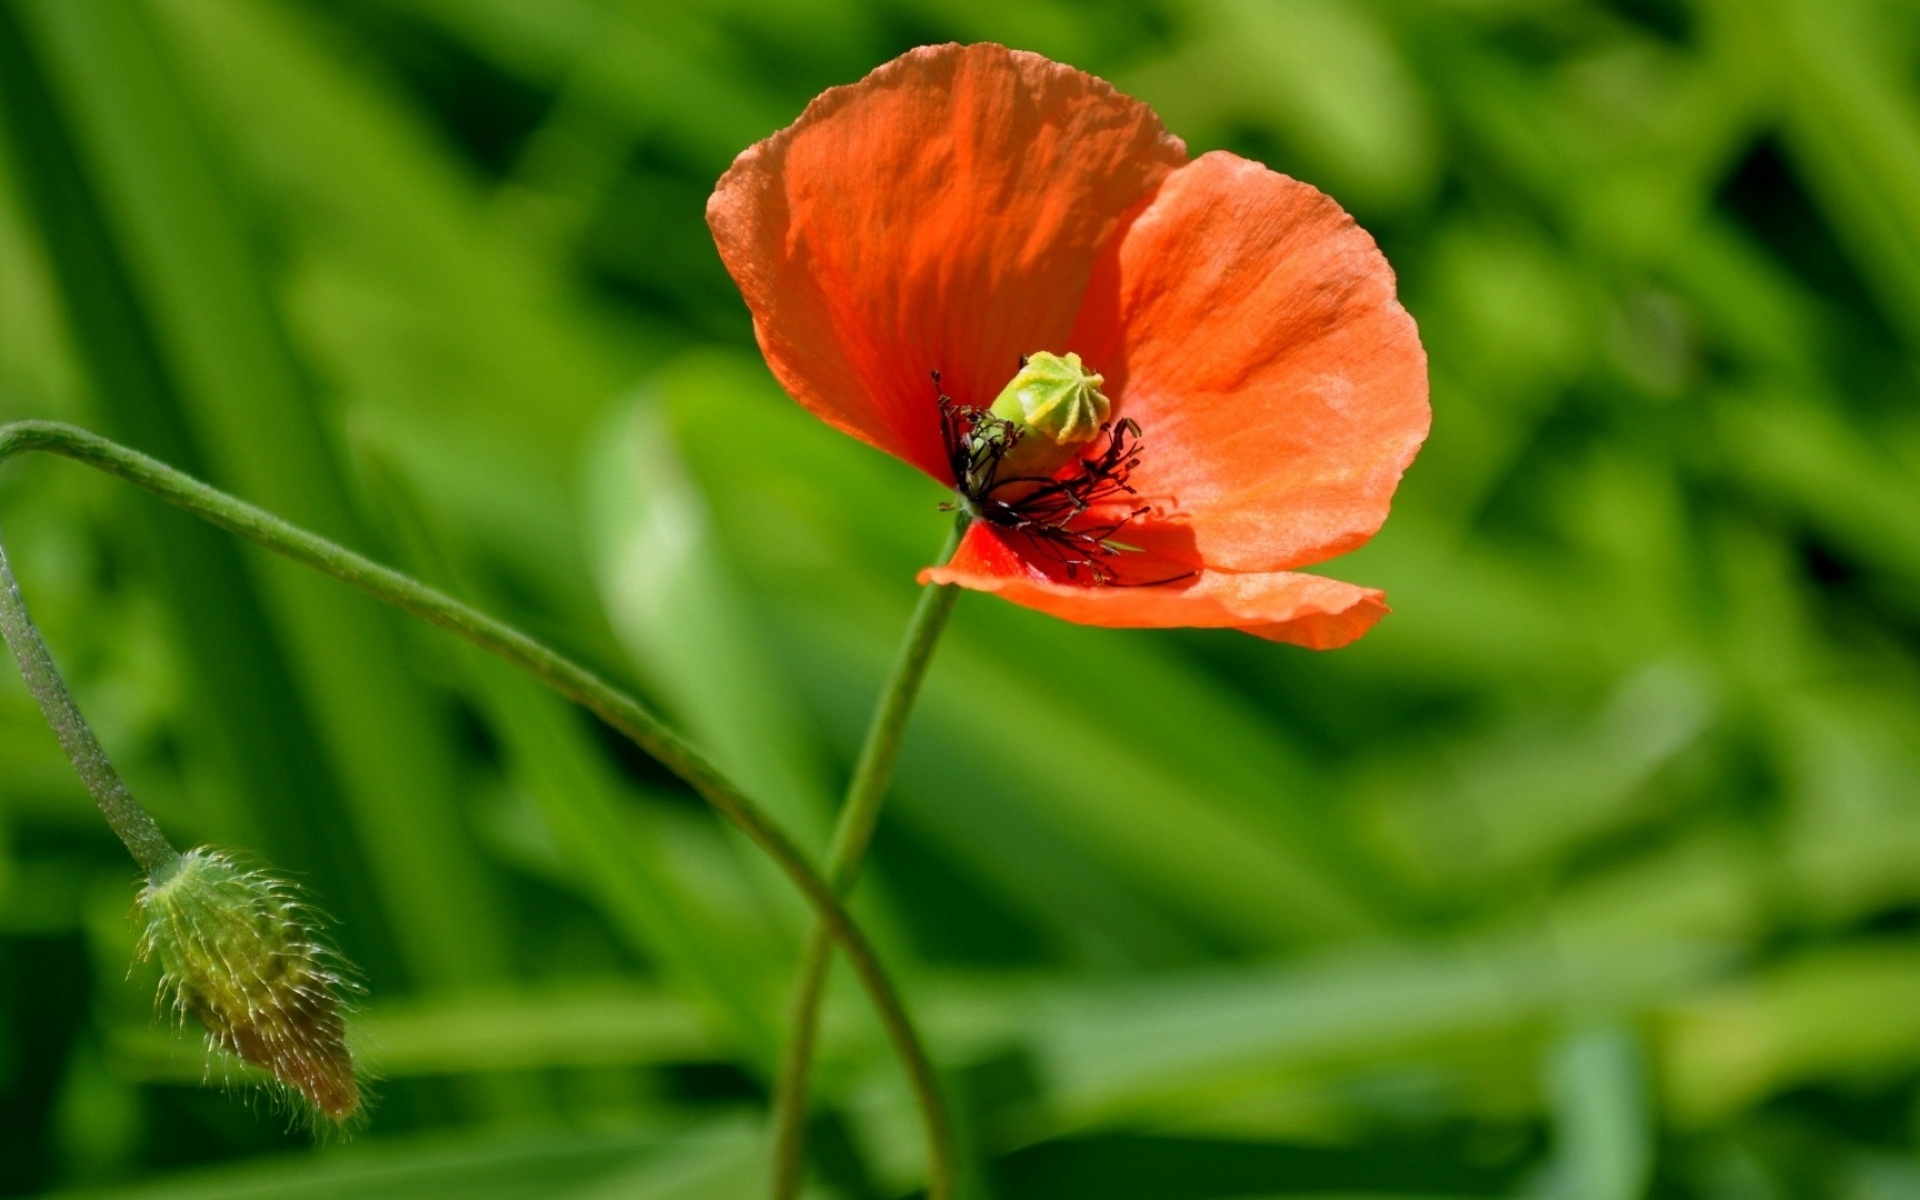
619,710
852,833
134,824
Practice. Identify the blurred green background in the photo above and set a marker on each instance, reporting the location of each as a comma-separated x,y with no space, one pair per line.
1593,872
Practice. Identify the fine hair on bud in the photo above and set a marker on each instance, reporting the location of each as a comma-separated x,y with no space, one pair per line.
239,951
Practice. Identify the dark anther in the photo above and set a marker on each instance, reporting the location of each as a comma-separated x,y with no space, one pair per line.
1047,510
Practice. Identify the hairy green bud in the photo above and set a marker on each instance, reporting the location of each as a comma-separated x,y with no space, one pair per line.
238,951
1058,406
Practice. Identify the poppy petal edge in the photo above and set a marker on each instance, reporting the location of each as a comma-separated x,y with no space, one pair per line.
1255,332
1284,606
942,214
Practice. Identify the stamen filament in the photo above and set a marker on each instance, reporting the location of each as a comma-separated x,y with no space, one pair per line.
1046,509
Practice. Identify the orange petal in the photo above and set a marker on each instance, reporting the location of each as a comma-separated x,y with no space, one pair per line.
1281,606
1251,328
942,214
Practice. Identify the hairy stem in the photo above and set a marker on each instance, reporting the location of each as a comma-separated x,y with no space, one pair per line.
866,791
558,672
135,826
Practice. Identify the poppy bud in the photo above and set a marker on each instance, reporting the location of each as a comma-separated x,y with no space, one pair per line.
1058,405
238,952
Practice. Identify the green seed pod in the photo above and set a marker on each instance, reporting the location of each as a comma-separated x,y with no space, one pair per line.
238,951
1058,405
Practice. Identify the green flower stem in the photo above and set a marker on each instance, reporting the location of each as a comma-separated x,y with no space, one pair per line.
866,791
563,675
134,824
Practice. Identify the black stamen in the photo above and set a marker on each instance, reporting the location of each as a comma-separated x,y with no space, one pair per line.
1046,509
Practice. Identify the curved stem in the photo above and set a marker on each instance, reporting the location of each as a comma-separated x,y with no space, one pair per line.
136,827
866,791
558,672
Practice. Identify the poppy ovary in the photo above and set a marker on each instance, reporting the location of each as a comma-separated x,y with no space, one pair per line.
1056,406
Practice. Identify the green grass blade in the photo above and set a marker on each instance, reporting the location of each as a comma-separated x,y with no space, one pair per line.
241,398
258,728
602,828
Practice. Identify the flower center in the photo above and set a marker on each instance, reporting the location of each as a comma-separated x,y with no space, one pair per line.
1058,404
1043,458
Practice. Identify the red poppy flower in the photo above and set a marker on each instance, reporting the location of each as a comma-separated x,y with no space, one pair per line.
912,239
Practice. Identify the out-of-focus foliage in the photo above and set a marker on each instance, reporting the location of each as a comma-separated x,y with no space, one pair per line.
1594,872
